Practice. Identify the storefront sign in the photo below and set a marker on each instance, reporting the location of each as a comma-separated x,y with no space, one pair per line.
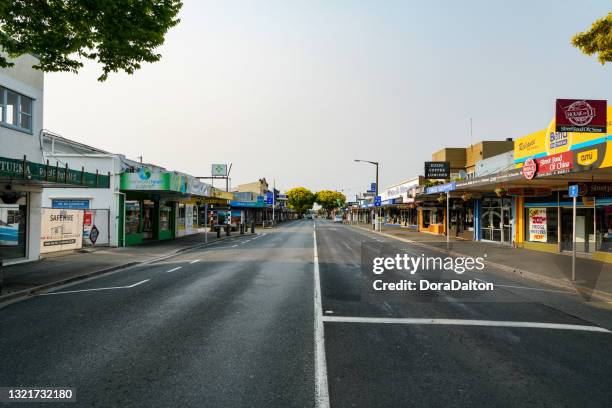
146,179
61,230
537,224
530,168
595,189
560,163
549,141
248,204
70,204
14,169
437,170
441,188
581,115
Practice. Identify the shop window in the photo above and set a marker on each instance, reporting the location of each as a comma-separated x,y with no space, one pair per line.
13,221
15,109
132,217
604,228
541,224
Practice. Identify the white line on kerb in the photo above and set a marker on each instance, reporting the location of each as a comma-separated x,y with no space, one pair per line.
462,322
194,261
321,388
95,289
174,269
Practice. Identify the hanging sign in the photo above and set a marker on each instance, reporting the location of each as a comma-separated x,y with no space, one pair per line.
437,170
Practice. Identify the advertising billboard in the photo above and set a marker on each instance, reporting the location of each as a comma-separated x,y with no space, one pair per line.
61,230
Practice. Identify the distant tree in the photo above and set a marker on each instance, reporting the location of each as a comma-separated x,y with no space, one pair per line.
329,199
118,34
597,40
300,199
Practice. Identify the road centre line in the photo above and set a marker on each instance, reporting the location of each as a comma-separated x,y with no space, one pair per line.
321,387
95,289
174,269
194,261
463,322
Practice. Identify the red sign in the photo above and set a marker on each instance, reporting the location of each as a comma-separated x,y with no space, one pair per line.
559,163
529,168
581,115
87,218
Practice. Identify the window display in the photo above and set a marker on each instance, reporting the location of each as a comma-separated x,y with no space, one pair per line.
13,217
132,217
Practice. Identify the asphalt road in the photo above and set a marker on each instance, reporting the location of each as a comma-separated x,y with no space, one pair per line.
234,329
233,325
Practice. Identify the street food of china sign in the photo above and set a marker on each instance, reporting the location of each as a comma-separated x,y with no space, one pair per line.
581,115
554,164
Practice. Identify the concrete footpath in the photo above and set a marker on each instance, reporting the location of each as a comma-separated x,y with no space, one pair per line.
26,278
593,278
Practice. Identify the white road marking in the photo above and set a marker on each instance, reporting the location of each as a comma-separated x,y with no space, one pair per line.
95,289
462,322
174,269
194,261
234,246
321,388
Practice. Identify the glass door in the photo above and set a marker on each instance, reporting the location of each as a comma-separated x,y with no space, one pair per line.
585,226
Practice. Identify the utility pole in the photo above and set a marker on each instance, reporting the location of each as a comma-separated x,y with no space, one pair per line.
273,200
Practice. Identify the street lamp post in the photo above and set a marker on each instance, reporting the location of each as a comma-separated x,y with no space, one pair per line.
376,190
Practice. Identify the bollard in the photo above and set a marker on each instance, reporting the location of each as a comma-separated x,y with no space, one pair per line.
218,229
227,230
241,229
252,227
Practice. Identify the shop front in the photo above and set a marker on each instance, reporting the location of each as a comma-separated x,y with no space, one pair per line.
159,205
21,213
495,219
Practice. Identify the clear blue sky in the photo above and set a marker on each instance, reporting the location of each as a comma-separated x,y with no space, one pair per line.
295,90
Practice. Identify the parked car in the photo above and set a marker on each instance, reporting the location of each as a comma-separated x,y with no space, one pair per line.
338,218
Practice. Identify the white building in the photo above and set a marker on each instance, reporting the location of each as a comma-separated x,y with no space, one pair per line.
23,173
21,118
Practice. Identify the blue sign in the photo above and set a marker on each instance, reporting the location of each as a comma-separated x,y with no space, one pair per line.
373,187
441,188
269,198
260,199
70,204
248,204
573,190
377,201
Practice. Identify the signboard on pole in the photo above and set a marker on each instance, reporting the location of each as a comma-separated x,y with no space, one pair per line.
537,225
373,187
437,170
377,201
573,190
219,170
269,198
581,115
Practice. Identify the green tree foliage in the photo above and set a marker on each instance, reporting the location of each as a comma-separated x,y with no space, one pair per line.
118,34
597,40
300,199
329,199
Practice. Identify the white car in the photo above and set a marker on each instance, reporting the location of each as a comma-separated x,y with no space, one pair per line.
338,218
